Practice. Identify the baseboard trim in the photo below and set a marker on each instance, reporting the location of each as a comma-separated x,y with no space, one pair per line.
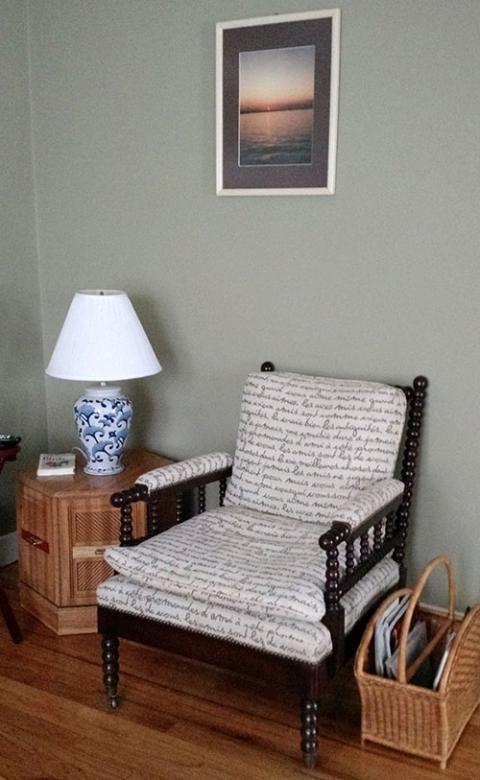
8,549
441,611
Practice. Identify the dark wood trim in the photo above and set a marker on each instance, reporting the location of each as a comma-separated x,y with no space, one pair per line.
390,528
110,667
212,650
10,454
416,396
388,534
124,499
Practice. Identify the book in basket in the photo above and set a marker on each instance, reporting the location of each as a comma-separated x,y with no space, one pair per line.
58,465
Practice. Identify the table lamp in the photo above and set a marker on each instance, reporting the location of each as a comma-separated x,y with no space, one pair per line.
102,340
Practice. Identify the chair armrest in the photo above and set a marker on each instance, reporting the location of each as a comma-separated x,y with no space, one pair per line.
185,473
176,478
353,520
367,506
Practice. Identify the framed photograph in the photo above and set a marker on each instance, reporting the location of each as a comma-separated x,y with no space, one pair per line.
277,104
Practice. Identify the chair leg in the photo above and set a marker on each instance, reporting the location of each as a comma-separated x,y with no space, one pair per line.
309,743
9,618
110,668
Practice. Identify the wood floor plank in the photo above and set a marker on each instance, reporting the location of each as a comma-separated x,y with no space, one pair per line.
101,744
178,720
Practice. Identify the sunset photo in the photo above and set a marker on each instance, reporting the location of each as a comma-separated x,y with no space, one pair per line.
276,106
277,83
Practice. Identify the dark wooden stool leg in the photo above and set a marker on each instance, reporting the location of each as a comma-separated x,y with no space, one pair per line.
9,618
110,668
309,741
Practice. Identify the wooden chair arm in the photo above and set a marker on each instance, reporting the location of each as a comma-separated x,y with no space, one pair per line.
336,584
374,518
124,499
189,484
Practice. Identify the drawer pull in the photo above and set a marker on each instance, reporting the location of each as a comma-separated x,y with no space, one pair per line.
35,541
100,550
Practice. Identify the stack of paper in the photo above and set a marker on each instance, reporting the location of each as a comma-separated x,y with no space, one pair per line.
441,666
56,465
387,633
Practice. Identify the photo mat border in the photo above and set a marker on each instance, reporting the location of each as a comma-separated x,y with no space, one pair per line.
224,137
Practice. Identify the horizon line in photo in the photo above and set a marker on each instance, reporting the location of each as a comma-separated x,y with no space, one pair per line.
280,79
299,105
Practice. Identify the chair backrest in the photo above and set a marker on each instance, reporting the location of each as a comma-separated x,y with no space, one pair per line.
305,444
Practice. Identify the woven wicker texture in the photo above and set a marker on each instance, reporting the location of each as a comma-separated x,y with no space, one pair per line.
414,719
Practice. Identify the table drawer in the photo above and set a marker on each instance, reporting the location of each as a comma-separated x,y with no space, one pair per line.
88,573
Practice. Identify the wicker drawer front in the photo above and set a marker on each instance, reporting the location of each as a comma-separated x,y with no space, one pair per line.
94,528
88,573
102,526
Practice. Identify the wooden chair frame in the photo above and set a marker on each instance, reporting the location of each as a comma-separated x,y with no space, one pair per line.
9,453
390,529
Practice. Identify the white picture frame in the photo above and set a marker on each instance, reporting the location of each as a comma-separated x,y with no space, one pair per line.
277,83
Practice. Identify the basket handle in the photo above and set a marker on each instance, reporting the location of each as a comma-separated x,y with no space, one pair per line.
404,674
364,645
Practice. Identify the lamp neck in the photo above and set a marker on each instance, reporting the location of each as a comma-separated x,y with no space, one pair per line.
103,391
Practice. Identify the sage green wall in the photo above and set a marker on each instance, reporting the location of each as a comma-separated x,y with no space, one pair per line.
22,386
380,281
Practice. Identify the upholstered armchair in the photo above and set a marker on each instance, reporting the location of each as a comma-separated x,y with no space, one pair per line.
309,535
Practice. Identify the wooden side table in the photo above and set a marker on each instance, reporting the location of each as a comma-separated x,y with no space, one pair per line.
63,526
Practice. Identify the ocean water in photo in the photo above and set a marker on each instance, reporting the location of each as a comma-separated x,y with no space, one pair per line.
276,137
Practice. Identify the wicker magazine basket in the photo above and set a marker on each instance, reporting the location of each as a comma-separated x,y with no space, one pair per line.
408,717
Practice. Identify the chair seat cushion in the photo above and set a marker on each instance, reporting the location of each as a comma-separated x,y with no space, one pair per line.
301,640
270,565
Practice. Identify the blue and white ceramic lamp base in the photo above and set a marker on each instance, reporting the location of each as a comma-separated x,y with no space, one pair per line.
103,417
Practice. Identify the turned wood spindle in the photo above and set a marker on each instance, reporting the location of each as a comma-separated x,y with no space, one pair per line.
329,542
416,400
123,501
350,557
222,489
110,668
154,517
309,731
364,547
377,536
179,505
202,499
390,527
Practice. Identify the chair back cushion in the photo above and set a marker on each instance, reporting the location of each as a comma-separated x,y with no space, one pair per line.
306,444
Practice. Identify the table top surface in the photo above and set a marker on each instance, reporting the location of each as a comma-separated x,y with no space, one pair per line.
136,461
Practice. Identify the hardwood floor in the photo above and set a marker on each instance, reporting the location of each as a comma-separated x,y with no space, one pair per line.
177,719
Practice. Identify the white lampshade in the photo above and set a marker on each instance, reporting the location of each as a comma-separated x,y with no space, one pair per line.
102,340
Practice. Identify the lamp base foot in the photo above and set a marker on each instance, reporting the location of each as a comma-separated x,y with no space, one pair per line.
102,471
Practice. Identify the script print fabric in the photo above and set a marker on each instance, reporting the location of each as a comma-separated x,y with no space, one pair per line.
271,565
301,640
304,641
306,444
176,473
